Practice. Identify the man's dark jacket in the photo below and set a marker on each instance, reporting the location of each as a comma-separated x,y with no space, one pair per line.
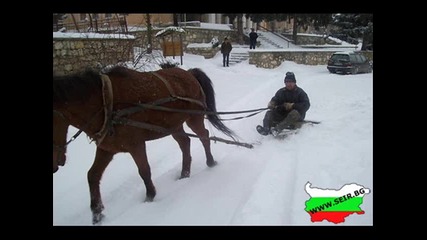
226,47
296,96
253,36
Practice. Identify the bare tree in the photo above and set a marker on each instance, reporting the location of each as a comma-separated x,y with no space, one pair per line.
75,23
149,31
240,29
175,19
239,17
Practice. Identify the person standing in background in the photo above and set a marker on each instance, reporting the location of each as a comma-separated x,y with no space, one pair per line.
225,50
252,39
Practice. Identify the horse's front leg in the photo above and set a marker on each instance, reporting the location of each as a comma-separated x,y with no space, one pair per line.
102,159
184,143
139,155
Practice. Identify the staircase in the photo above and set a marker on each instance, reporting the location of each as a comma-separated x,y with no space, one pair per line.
238,57
239,54
266,40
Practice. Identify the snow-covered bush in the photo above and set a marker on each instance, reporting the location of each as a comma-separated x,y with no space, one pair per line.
214,42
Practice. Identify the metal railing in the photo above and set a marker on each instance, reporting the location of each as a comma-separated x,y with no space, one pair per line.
279,35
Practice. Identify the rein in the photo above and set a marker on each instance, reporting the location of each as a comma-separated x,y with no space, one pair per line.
117,117
72,138
61,148
152,127
154,106
174,96
76,134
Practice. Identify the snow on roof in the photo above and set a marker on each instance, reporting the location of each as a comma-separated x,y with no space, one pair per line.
92,35
215,26
199,45
169,30
138,28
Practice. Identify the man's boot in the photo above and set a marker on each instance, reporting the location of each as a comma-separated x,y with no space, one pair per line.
262,130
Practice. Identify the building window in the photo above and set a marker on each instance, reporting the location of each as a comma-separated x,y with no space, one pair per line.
108,15
83,17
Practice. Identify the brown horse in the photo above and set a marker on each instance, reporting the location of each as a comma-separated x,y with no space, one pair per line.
122,109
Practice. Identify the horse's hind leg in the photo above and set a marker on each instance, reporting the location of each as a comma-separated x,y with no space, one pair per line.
196,123
102,159
184,143
139,155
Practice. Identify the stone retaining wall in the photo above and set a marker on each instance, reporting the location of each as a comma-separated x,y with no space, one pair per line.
74,54
191,35
206,52
273,59
311,39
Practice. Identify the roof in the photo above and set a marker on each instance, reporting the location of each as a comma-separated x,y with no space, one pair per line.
170,30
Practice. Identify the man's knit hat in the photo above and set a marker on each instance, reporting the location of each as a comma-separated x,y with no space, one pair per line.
290,77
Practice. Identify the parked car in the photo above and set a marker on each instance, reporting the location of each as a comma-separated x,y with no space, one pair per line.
349,63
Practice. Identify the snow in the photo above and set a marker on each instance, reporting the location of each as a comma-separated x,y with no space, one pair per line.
91,35
199,45
260,186
215,26
170,30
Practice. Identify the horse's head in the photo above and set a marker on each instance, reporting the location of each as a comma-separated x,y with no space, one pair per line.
60,128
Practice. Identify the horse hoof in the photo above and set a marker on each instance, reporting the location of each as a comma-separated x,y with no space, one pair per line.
97,218
149,199
185,174
211,164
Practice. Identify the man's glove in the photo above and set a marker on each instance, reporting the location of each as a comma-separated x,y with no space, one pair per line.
271,104
288,106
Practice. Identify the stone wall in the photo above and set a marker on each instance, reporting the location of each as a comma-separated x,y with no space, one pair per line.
311,39
273,59
74,54
207,52
199,35
191,35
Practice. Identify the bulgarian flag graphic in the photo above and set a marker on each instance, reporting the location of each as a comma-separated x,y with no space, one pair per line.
334,205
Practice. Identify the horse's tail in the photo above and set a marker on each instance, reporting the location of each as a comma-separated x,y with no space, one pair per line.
206,84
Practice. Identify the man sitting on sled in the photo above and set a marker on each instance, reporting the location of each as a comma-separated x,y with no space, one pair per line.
286,109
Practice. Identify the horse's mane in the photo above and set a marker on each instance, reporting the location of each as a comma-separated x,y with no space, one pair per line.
119,71
76,87
81,85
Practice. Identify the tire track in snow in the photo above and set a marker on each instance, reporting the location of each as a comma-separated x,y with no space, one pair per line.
268,205
174,195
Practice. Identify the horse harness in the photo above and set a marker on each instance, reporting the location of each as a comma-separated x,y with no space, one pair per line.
61,148
118,117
